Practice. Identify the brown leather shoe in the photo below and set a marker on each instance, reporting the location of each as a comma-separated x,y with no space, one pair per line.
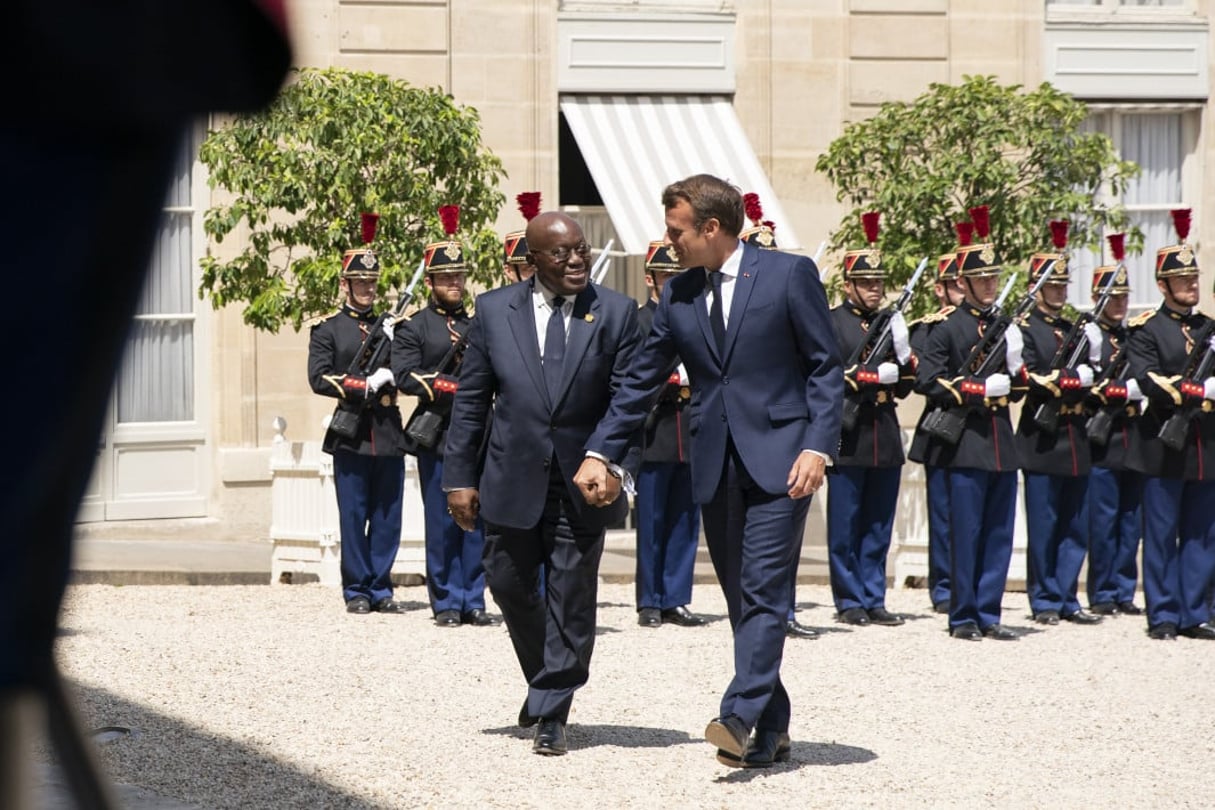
729,734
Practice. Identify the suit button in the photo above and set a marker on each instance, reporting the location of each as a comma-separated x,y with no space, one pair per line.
723,417
725,380
546,463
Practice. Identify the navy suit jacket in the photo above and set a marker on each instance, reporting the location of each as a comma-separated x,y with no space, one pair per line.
502,372
776,389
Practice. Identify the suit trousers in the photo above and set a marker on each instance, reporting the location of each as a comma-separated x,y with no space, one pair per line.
1115,525
455,575
668,532
754,543
552,627
936,484
369,490
860,517
1178,550
983,507
1056,528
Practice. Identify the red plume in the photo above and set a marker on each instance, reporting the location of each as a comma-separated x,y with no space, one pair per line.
529,204
965,232
450,214
1181,222
1058,233
1117,245
755,211
869,221
770,225
369,222
982,220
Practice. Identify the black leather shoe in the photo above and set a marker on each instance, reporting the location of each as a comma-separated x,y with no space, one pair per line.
855,615
447,618
1103,609
682,617
1165,631
999,632
967,632
359,604
940,607
1082,617
795,630
1130,608
884,617
526,720
1204,631
477,617
766,749
550,738
386,605
649,617
1047,617
728,734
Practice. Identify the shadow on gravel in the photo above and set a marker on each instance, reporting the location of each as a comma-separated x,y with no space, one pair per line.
803,755
590,735
153,757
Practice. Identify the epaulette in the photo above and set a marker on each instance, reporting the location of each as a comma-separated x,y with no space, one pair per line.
1141,318
317,320
1023,320
935,317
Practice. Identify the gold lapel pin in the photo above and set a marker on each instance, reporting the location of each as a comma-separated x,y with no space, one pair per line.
589,318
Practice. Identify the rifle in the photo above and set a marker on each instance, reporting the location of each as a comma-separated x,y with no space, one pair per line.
1068,356
426,424
946,422
1198,366
877,343
369,357
600,267
1102,421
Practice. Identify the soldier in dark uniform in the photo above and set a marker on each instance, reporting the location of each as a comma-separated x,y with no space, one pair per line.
981,467
668,520
514,244
863,486
949,296
426,354
1055,463
1115,519
1178,485
368,470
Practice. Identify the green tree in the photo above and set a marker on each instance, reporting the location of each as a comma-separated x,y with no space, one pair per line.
1024,154
334,144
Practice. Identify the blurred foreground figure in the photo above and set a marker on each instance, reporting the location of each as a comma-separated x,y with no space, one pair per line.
107,91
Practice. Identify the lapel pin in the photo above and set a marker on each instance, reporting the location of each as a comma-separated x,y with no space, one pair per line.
746,275
589,318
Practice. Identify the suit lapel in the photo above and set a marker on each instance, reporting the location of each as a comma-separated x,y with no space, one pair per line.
584,320
743,285
523,326
701,305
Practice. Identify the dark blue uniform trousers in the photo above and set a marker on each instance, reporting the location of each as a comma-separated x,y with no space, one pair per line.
983,508
1056,528
860,517
369,490
936,483
755,541
668,531
1115,524
1178,550
455,575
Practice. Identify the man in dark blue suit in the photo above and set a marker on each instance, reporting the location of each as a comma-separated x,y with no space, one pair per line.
545,356
754,333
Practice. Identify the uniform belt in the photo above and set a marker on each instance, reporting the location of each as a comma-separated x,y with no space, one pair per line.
883,397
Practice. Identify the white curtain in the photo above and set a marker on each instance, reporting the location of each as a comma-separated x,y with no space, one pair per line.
1154,142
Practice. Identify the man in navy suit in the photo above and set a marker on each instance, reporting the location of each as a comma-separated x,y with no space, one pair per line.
545,355
754,333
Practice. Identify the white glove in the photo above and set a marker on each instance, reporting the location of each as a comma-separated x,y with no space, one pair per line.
1093,332
1211,343
1208,388
888,373
1013,344
1085,373
1133,394
377,379
683,374
900,337
997,385
388,329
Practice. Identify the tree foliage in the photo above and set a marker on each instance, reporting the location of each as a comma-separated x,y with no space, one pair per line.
1024,154
334,144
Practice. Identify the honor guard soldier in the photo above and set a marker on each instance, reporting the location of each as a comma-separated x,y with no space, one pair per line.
368,465
668,520
949,297
863,484
982,463
1115,520
1171,362
514,244
1055,458
426,355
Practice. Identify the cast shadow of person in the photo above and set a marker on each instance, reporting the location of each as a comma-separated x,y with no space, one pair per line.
804,755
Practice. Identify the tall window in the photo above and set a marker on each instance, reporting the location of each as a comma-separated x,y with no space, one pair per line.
156,383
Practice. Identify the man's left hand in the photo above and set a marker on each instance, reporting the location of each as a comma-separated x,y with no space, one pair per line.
807,474
598,486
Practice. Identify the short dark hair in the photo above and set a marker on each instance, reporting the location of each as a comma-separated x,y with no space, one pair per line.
710,198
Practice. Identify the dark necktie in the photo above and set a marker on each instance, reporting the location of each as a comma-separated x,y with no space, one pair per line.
554,349
716,319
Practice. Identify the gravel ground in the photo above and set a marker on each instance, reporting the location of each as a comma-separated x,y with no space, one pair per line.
267,697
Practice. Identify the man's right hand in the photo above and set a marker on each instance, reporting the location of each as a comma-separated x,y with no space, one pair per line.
464,505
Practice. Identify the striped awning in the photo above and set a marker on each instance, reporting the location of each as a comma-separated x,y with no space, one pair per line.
634,146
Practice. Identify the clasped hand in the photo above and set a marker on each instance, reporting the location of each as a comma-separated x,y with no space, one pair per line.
598,486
